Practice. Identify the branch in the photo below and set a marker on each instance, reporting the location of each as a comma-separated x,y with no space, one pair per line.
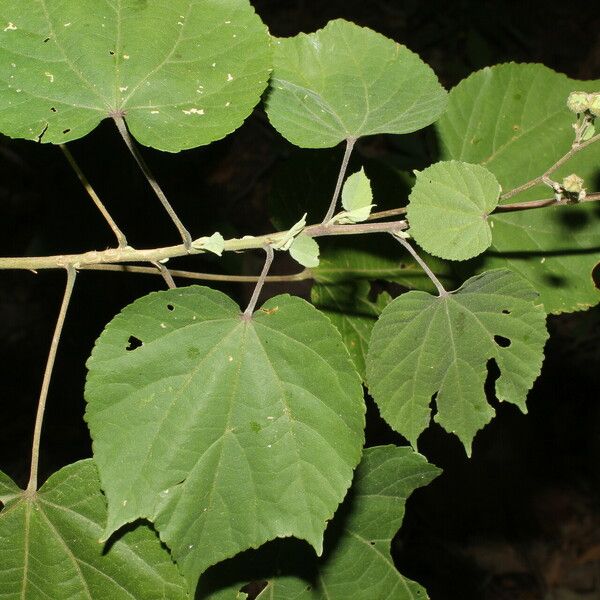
128,254
122,127
516,206
340,180
575,148
95,259
121,239
39,418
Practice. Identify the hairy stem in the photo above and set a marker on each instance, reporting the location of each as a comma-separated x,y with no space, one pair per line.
39,418
575,148
247,315
126,255
440,288
340,180
122,127
121,239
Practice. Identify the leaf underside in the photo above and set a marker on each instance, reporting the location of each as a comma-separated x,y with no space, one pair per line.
183,72
346,81
423,345
225,433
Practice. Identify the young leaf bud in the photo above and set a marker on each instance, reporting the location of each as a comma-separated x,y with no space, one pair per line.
578,102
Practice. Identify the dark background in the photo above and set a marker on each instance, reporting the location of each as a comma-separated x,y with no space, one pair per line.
521,519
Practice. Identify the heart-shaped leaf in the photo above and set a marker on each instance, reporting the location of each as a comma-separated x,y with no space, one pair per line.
345,82
224,432
449,209
183,72
424,345
49,546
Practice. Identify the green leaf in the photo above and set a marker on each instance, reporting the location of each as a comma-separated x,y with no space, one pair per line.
345,82
356,199
356,564
349,308
513,120
449,208
183,72
49,547
224,432
305,251
424,345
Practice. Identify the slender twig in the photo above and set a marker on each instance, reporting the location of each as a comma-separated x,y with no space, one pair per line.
166,275
39,419
121,239
440,288
301,276
122,127
516,206
513,207
575,148
247,315
340,180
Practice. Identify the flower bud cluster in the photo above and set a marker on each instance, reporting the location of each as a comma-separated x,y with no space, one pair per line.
582,102
572,188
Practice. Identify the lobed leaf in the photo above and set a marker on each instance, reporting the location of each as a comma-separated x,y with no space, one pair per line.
346,81
224,432
513,120
356,563
449,209
423,345
49,546
183,72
